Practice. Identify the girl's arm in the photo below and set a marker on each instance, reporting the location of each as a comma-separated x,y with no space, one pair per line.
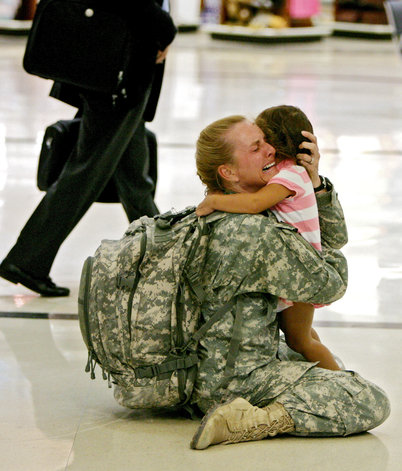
252,203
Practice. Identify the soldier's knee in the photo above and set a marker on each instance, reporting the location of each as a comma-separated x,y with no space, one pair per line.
381,406
374,404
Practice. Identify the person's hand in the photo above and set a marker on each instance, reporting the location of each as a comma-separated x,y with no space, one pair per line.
161,56
205,207
310,161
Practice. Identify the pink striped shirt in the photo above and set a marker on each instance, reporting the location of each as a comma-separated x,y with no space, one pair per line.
299,210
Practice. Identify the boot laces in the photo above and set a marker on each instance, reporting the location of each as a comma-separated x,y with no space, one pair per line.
254,433
258,432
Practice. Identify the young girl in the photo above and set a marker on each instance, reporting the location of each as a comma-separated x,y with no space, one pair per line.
289,194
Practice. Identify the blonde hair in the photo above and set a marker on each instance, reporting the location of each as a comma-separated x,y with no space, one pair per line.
213,150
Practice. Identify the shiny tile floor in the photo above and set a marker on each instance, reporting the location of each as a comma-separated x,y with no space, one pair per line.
52,417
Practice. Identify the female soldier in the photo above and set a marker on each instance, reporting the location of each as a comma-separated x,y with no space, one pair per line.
254,388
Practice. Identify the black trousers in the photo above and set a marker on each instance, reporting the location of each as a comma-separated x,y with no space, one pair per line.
111,145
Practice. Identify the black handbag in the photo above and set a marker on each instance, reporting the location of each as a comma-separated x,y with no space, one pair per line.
57,145
81,43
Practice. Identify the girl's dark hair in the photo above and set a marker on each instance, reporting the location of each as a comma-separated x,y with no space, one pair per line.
282,126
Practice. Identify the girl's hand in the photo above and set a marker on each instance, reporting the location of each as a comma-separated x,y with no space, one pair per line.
310,162
205,207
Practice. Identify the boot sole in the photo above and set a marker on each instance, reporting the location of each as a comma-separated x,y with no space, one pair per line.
197,436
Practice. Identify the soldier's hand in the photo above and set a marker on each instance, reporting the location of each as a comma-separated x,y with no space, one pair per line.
310,161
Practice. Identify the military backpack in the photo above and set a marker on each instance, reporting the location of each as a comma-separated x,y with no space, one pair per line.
140,301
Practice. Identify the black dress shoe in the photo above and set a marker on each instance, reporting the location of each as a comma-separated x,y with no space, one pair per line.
43,286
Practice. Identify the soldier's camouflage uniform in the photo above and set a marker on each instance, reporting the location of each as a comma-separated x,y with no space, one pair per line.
257,259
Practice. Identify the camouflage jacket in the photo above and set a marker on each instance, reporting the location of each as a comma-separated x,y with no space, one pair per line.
256,260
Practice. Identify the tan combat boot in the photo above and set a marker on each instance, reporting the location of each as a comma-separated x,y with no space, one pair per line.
239,421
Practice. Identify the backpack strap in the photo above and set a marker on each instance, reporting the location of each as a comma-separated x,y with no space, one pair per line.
191,275
192,272
184,361
132,281
194,282
168,219
166,367
236,335
207,325
234,345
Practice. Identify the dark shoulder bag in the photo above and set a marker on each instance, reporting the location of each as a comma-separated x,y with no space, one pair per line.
82,43
57,145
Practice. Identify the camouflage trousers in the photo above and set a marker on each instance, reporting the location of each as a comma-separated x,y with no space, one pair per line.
325,403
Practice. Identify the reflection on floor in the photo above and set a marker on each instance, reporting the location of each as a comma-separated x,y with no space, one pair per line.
52,416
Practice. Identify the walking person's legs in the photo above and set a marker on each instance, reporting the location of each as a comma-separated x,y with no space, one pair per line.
134,185
103,138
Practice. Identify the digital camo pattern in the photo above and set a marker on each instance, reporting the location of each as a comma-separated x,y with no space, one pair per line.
257,259
332,221
334,403
127,326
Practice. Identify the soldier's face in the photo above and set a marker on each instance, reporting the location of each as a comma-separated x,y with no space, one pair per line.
254,158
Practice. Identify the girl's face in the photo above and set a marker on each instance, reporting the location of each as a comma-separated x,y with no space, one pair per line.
254,159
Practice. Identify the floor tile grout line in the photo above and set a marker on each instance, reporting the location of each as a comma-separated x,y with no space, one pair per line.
359,325
38,315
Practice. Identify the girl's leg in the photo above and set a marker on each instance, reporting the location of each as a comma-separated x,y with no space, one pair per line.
295,322
314,334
